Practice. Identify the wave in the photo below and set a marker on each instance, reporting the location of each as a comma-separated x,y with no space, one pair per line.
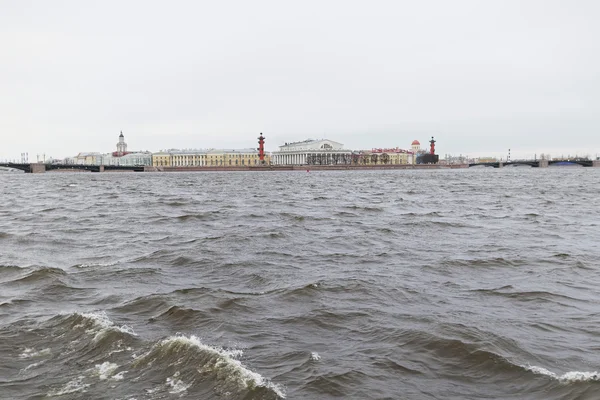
94,265
74,386
197,362
179,315
40,274
180,364
567,377
100,322
526,296
210,215
426,214
107,370
364,208
176,203
97,324
32,353
485,263
295,217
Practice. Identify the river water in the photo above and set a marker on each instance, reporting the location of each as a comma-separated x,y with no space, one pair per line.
424,284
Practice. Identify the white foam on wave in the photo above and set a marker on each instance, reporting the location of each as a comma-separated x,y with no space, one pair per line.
568,377
31,353
119,376
177,385
91,265
314,356
106,370
225,361
103,324
76,385
31,366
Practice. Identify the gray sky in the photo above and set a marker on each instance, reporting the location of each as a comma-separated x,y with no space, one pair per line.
480,76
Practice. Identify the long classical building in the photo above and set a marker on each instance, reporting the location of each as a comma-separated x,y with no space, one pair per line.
207,158
310,151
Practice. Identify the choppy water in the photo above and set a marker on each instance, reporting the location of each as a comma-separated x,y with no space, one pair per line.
462,284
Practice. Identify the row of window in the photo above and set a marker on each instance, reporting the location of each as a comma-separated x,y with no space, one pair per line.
216,156
179,163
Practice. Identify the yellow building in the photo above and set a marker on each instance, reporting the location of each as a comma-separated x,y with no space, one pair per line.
86,159
241,157
208,158
394,156
161,159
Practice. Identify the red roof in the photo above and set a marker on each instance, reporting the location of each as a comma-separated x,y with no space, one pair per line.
416,142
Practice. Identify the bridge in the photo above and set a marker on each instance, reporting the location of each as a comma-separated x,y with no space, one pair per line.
538,163
40,168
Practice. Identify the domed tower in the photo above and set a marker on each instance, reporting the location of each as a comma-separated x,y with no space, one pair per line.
121,146
415,146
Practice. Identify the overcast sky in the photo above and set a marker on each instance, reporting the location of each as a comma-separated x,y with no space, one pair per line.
480,76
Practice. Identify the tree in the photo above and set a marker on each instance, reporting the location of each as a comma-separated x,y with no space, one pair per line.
385,158
374,158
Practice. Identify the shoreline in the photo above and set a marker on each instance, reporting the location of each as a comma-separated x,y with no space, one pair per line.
305,168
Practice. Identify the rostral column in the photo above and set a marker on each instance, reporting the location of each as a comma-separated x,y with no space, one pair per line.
261,148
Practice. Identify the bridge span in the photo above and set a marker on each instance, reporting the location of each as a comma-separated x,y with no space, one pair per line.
539,163
40,167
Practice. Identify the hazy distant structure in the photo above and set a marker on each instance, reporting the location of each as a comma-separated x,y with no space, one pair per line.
121,146
384,156
119,157
415,146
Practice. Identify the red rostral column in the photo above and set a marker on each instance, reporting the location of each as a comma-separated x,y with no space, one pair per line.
432,146
261,148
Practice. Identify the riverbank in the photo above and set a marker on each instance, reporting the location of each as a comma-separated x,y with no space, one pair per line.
305,168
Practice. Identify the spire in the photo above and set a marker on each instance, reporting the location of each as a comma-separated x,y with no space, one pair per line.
121,135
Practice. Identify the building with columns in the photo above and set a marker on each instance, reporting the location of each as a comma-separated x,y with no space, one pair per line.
391,156
306,152
207,158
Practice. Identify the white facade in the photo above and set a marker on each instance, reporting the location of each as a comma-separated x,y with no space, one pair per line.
188,158
121,146
415,146
85,159
130,159
298,153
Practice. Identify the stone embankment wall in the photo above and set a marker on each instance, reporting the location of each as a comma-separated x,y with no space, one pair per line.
304,168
